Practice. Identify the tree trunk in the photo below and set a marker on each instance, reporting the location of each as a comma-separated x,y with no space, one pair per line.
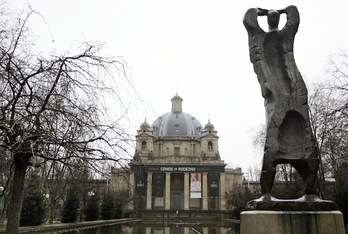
14,210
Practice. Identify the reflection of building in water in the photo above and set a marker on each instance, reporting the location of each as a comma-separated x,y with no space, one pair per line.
180,229
177,165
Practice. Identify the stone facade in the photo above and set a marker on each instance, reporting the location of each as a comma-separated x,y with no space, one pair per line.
177,166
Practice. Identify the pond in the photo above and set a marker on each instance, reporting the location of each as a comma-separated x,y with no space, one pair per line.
169,227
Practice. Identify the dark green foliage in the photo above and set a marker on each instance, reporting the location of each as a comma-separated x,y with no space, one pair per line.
120,202
118,210
237,199
107,207
33,209
340,195
92,208
71,206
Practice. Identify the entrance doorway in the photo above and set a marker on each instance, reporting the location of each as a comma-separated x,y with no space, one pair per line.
177,191
176,201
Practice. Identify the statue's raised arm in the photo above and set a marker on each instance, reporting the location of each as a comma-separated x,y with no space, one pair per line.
250,20
292,21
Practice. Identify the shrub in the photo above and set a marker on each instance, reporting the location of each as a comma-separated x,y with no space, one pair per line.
71,206
92,208
33,209
107,207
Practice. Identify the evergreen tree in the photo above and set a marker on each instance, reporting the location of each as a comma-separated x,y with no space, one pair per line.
92,209
118,210
107,207
71,206
33,208
237,199
121,200
340,193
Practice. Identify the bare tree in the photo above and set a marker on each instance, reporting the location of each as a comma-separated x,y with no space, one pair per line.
329,109
52,109
55,184
258,141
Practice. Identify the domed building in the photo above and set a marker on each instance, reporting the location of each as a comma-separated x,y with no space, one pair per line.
177,166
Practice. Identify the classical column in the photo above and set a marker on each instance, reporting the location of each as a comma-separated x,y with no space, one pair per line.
167,195
205,191
132,190
222,205
186,191
149,191
148,230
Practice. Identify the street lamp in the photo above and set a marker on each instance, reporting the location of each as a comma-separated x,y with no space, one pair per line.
47,196
1,200
1,204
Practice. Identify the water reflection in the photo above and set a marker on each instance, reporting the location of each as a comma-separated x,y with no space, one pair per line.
164,228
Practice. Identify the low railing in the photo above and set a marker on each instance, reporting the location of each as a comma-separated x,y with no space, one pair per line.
65,227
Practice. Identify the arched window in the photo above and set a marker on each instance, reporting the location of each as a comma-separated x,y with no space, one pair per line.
143,145
210,146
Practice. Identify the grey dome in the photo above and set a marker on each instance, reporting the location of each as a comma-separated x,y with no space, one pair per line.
177,123
209,126
145,126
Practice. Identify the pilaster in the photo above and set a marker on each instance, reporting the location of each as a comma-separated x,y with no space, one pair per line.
222,203
149,191
205,191
167,193
186,191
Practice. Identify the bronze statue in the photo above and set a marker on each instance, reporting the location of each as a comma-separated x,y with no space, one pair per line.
289,137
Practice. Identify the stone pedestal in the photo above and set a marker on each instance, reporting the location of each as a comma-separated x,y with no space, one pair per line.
289,222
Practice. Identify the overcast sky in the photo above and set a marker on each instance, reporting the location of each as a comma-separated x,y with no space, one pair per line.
197,48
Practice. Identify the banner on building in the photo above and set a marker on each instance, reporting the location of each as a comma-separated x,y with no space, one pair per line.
196,185
140,184
157,184
213,184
